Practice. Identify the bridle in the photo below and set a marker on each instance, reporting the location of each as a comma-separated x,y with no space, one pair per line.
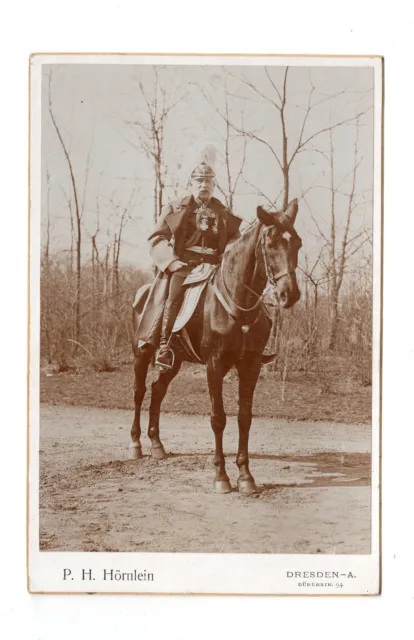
272,278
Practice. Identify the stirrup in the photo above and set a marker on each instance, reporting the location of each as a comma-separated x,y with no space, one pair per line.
164,351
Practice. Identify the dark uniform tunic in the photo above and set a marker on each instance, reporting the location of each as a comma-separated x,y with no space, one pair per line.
201,245
174,236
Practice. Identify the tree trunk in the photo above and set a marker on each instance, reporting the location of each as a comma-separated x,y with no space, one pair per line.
285,163
106,274
116,265
334,320
95,267
77,214
78,277
160,190
314,324
113,278
155,199
285,187
47,274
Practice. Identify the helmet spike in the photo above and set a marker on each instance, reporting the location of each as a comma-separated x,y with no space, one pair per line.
205,163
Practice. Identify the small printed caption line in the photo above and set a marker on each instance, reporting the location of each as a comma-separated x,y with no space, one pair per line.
110,575
334,577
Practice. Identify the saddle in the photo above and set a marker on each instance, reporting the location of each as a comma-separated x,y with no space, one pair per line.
194,285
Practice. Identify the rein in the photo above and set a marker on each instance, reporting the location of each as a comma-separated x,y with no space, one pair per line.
271,277
228,294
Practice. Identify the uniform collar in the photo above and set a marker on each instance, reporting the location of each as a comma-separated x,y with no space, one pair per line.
184,202
189,199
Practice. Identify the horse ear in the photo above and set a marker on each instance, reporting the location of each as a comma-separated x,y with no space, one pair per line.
292,210
265,217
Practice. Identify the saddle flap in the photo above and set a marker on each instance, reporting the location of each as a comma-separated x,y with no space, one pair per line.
191,298
141,298
200,273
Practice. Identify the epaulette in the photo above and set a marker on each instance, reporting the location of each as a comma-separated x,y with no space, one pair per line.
177,205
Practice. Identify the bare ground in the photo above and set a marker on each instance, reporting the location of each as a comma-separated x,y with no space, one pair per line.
313,479
332,397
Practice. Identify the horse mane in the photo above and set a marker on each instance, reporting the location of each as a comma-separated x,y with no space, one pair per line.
245,235
240,253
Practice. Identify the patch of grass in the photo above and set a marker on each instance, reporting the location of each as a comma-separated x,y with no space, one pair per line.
188,394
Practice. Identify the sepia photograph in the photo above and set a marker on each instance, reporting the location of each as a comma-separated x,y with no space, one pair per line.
205,324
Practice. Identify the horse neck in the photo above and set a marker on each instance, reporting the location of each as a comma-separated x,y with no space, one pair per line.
240,268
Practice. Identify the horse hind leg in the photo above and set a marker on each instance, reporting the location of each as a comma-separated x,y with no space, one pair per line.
158,391
142,360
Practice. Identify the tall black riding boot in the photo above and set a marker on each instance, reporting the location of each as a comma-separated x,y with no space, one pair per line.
165,355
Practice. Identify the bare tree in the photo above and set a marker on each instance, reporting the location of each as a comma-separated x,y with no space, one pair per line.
342,248
78,207
291,146
340,241
229,139
124,215
148,125
46,274
277,97
314,278
77,210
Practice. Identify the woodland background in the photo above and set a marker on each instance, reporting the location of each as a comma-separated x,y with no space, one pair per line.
118,142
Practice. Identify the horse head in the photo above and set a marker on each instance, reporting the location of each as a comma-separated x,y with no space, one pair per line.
277,252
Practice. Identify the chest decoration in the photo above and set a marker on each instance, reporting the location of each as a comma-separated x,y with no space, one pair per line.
206,219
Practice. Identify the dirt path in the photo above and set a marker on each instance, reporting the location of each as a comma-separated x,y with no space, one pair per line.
314,480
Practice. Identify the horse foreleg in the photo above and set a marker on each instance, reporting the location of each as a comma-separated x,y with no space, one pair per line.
215,375
142,360
248,370
159,389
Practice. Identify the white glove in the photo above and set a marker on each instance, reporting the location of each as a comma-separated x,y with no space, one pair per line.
176,265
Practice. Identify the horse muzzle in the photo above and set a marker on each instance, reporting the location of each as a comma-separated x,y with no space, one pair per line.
287,293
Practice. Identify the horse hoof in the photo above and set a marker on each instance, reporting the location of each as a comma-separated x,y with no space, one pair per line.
135,451
158,453
247,487
222,486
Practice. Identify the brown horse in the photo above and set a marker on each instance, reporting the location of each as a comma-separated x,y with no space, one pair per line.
230,328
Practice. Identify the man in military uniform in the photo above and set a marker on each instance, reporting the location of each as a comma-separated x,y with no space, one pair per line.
190,232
